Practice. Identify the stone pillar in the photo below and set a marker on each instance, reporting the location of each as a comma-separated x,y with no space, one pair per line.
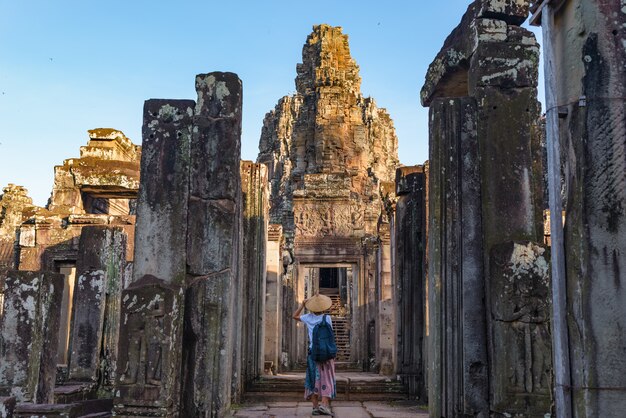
161,228
273,297
96,305
457,375
149,362
29,334
214,245
486,201
410,271
589,86
255,191
386,308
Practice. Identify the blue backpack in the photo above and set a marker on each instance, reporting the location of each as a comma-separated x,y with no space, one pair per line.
323,346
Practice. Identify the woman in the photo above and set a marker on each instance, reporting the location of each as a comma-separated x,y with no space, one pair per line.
320,376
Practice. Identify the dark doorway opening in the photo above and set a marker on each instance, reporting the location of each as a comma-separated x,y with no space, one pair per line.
329,278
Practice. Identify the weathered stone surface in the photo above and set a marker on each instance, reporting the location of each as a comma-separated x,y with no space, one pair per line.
7,405
588,39
485,24
97,297
149,357
208,343
490,64
255,193
215,142
162,202
15,208
510,64
213,339
108,167
514,12
410,264
521,339
458,361
29,334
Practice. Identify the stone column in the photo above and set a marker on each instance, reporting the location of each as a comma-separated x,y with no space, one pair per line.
457,376
162,204
385,303
273,297
96,305
486,219
29,331
149,362
214,245
587,68
255,191
410,272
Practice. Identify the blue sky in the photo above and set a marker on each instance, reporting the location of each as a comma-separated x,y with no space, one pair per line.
69,66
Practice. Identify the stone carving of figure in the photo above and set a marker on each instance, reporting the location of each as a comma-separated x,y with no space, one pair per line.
528,318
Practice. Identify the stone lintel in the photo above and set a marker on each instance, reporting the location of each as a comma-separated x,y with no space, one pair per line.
484,21
405,176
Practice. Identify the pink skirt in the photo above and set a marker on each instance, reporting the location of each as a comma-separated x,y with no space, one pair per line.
324,379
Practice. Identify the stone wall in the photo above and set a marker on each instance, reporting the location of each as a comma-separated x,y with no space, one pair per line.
255,191
99,188
410,278
182,314
489,304
29,334
15,207
96,308
587,57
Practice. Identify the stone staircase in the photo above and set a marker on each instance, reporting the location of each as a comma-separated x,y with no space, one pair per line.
341,328
353,386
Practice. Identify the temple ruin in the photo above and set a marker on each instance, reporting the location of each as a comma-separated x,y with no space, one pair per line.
160,279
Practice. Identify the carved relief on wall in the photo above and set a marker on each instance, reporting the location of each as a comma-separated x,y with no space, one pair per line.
329,219
520,295
149,328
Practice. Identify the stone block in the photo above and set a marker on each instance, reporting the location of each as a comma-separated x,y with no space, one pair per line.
87,321
216,141
406,179
504,130
29,334
100,268
161,230
521,357
212,232
208,355
504,64
150,347
514,12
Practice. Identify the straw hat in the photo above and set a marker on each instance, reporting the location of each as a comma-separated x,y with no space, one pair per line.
318,303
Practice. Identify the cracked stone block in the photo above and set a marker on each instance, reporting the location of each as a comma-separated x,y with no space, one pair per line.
29,332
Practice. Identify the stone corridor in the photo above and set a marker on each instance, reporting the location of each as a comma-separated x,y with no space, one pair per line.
161,279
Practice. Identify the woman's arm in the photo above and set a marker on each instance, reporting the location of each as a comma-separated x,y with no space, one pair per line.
296,314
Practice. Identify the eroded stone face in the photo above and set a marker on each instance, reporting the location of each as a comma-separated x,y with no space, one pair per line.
29,334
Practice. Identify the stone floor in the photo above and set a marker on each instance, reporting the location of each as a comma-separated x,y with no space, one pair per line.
341,409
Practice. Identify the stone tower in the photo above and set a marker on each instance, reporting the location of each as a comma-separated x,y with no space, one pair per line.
329,152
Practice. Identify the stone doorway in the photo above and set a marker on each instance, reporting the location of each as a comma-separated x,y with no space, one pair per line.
67,269
337,282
